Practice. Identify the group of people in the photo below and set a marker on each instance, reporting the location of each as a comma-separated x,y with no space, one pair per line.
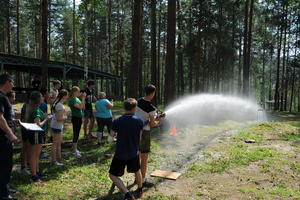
131,130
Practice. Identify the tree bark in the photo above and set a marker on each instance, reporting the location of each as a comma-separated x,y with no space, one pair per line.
44,43
7,21
180,77
18,27
169,94
153,46
74,33
133,76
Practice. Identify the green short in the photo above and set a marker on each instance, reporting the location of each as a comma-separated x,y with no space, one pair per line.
145,142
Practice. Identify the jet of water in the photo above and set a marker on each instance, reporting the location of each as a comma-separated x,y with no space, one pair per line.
203,109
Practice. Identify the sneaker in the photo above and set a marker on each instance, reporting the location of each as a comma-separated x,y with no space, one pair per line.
138,193
129,196
24,171
147,184
36,179
77,154
57,163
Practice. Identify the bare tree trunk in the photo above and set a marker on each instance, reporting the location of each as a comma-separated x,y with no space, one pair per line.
18,27
74,33
153,45
44,43
169,94
7,20
276,98
191,71
158,55
180,77
133,76
109,33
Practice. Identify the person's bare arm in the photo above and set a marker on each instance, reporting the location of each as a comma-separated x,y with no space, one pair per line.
4,126
153,121
39,122
110,105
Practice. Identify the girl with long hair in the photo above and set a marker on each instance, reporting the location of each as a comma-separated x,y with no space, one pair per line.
36,138
57,125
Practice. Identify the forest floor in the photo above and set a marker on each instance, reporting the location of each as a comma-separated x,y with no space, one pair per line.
215,163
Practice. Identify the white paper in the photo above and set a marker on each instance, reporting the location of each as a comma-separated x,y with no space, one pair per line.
31,126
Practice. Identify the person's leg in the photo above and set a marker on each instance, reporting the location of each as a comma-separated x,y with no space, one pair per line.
77,122
144,164
24,154
32,159
100,129
75,134
6,153
38,150
91,124
54,147
119,183
58,147
145,149
85,124
139,179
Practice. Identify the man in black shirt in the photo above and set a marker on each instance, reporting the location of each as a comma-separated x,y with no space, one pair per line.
148,112
7,136
89,117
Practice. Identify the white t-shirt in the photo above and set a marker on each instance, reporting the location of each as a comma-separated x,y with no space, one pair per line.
144,110
54,123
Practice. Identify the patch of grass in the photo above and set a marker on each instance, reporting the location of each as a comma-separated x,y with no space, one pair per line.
245,135
290,136
295,124
239,155
283,191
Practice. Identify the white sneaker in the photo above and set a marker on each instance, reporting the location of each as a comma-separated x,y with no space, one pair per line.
57,163
24,171
77,154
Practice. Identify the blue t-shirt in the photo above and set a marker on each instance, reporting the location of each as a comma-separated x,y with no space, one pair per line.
44,107
102,111
129,128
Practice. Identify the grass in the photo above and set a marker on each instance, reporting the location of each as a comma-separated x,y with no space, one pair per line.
273,155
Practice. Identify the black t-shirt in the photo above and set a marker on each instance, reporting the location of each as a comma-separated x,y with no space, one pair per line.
6,109
89,99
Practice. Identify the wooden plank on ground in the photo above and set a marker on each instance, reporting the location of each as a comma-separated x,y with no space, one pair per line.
166,174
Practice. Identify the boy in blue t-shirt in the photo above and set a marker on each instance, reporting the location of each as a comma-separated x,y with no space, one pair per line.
128,129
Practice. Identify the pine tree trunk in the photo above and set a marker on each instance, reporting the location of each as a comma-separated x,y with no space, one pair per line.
180,77
44,43
7,20
276,97
18,27
133,76
109,33
191,71
74,33
169,94
245,51
153,46
158,75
